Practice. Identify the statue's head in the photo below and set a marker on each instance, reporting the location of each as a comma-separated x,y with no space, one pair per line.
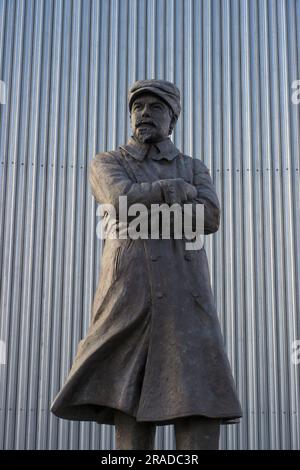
154,107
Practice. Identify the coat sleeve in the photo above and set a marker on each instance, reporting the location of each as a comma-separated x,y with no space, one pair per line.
109,180
206,194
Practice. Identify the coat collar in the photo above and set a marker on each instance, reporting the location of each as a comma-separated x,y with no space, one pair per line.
164,149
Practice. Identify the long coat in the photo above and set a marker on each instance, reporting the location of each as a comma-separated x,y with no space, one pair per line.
154,348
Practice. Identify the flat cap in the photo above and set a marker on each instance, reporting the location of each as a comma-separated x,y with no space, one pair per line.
167,91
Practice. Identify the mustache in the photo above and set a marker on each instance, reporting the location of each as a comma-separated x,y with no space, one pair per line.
145,121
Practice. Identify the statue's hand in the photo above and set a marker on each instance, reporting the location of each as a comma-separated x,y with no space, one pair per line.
177,190
191,190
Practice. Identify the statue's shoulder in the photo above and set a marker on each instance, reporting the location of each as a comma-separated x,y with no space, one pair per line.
110,155
195,163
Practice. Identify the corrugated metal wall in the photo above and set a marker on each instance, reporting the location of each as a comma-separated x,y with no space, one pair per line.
66,67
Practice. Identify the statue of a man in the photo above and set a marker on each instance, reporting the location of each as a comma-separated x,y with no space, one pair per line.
154,352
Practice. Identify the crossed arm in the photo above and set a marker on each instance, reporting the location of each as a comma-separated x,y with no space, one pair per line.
109,180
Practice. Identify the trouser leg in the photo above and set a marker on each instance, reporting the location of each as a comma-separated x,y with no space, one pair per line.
131,434
197,433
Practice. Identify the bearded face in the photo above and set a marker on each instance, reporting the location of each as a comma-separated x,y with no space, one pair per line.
151,118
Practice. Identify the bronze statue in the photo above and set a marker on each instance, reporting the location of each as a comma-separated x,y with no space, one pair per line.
154,352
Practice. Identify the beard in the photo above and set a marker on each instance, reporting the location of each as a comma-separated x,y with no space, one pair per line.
146,134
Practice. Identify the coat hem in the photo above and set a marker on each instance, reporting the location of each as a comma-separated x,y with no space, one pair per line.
225,419
108,419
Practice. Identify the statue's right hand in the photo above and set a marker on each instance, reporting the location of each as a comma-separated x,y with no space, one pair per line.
177,190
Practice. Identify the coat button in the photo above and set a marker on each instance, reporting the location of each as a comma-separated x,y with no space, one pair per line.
159,295
154,257
187,257
171,189
195,293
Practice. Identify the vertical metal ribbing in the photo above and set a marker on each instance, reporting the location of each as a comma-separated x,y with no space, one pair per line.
294,324
271,439
178,65
247,224
288,330
276,235
260,430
